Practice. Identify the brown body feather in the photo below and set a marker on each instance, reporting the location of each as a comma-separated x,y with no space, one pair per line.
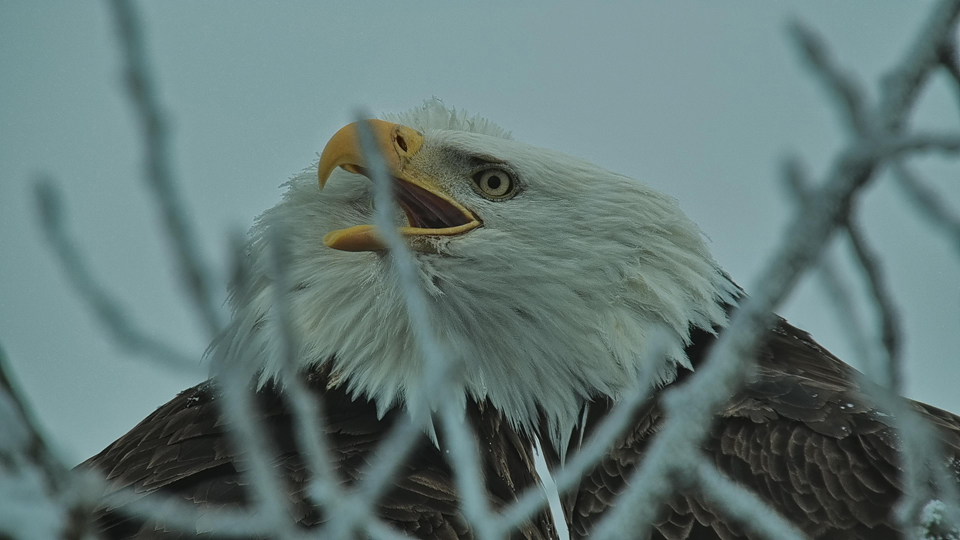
801,435
182,449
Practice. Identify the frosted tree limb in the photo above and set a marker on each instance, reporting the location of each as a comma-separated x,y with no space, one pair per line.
886,372
890,327
951,64
393,451
741,504
615,424
901,85
194,273
177,514
691,408
105,307
437,369
234,377
929,204
923,463
324,487
841,86
307,411
39,496
922,455
381,531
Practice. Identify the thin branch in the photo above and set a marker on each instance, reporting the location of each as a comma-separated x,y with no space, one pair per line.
437,364
244,430
740,504
901,85
951,64
929,203
841,86
921,454
176,514
888,371
307,411
890,327
106,308
194,273
875,152
40,496
614,425
391,453
691,408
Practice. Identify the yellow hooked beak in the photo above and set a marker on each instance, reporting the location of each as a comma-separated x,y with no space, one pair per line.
429,210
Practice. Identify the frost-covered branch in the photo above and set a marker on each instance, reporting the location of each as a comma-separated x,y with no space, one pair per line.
234,377
438,364
691,408
886,371
741,505
922,458
925,473
105,307
614,425
928,203
194,272
360,502
890,327
307,411
951,64
841,86
39,497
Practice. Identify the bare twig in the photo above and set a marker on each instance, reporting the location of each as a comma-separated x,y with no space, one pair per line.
177,514
888,371
890,328
951,64
606,433
307,412
114,319
929,204
437,364
391,454
842,86
159,174
39,497
234,377
740,504
691,408
922,457
324,486
901,85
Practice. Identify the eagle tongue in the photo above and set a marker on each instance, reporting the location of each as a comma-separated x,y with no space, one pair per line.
426,210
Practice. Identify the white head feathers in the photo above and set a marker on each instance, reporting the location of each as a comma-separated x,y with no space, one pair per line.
552,301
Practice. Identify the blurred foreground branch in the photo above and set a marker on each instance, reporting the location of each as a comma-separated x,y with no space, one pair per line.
691,408
159,165
106,308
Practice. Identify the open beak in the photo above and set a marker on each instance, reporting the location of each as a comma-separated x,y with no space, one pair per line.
429,210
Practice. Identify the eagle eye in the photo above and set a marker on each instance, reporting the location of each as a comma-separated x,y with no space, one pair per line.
495,184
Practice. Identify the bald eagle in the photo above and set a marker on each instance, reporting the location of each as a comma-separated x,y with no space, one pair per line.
549,279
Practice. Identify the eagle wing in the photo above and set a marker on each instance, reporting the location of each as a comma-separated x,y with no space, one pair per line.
801,435
182,450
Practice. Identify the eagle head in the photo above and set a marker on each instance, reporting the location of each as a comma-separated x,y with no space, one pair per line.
546,277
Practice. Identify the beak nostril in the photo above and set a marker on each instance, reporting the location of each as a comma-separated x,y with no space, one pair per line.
401,143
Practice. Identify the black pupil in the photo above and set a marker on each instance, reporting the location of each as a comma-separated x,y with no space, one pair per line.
493,182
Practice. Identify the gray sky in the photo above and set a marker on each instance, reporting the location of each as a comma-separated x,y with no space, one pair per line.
697,99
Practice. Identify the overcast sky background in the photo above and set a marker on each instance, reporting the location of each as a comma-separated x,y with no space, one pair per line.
700,100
